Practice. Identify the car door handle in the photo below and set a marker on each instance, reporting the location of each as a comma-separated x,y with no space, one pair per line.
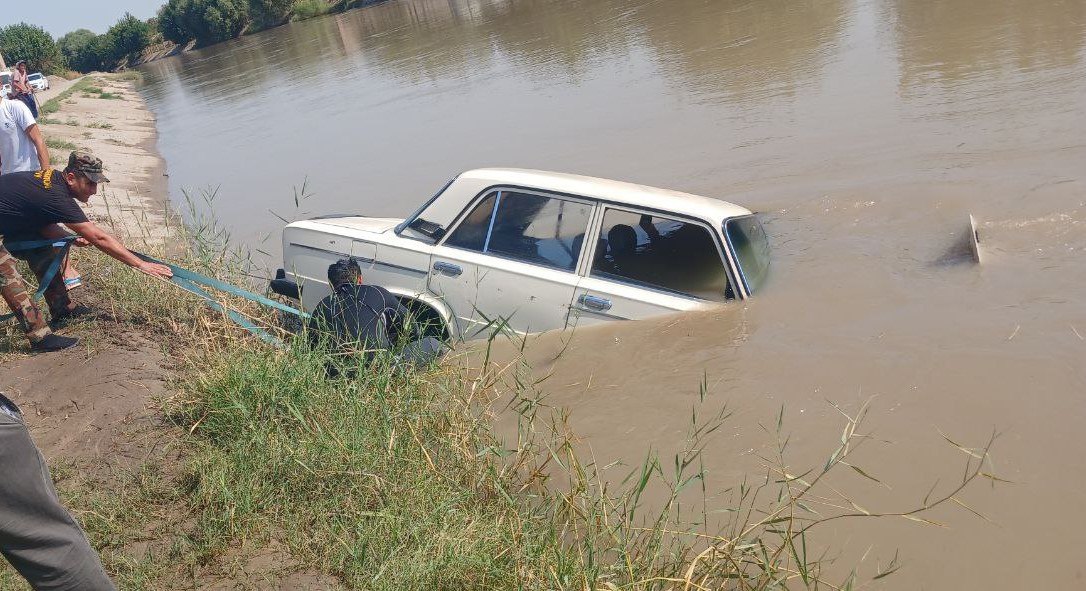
448,268
594,303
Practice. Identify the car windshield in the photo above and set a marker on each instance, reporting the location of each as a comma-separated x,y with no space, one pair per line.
5,79
751,247
34,77
419,228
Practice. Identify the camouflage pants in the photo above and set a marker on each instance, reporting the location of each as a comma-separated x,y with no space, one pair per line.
13,289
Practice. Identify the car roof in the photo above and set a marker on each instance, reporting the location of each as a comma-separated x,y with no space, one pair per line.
608,190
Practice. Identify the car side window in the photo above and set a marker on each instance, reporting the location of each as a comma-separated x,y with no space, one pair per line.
525,227
661,253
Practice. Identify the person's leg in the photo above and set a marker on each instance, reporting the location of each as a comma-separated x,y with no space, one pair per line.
28,100
39,260
37,535
13,290
72,278
423,352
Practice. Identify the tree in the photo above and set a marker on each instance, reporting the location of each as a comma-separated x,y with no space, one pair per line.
222,19
206,21
172,22
73,47
33,44
269,13
130,35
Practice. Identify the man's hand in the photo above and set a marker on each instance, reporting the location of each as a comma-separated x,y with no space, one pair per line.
81,242
155,269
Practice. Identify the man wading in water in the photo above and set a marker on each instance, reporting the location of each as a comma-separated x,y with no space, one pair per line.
359,318
32,205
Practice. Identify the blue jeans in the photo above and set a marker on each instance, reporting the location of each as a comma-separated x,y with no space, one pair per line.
28,99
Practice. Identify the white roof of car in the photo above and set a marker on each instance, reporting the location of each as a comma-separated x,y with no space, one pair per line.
608,190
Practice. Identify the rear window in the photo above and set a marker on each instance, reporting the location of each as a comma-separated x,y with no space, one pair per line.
751,247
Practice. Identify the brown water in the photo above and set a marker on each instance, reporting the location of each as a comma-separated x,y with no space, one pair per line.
865,130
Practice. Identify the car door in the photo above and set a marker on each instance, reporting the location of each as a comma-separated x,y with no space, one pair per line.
646,264
511,261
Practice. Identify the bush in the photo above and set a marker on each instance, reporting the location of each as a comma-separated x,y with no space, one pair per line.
129,36
206,21
304,9
269,13
33,44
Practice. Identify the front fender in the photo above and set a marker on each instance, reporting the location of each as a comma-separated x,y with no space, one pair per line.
434,303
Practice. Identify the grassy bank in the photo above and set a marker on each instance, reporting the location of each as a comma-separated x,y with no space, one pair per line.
53,105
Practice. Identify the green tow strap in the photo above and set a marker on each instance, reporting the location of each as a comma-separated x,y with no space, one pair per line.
64,244
191,281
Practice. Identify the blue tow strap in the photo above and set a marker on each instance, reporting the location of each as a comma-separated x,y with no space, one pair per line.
191,281
62,243
188,280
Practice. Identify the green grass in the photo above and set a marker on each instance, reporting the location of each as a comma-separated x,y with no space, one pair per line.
53,105
58,144
49,121
100,125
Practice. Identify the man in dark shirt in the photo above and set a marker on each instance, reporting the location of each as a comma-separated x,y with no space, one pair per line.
359,318
34,204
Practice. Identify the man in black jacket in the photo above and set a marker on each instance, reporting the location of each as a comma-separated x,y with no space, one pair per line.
358,318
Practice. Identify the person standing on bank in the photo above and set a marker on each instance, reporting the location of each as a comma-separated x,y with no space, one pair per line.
22,148
32,205
21,89
37,534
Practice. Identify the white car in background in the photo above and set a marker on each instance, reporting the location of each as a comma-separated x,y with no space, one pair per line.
5,84
506,249
38,81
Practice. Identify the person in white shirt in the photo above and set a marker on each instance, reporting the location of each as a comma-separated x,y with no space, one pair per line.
22,149
22,146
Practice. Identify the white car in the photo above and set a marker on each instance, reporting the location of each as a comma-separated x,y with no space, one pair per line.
5,83
505,249
38,81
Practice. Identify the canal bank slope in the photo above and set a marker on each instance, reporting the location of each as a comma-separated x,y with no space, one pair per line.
95,410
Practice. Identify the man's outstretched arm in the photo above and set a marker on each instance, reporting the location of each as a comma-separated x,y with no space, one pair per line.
106,243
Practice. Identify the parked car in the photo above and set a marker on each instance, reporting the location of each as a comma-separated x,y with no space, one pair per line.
5,83
38,81
506,248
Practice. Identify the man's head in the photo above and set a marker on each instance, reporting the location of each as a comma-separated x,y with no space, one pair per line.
20,65
83,173
344,272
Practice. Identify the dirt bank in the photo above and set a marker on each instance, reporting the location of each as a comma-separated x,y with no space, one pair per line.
95,410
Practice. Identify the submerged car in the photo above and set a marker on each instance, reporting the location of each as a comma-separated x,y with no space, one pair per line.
38,81
533,251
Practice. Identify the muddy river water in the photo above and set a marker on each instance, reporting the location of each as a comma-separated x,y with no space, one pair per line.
864,131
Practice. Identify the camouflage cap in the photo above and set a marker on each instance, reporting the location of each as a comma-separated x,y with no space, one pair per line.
88,164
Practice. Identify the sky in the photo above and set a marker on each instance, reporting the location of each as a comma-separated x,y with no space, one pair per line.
58,17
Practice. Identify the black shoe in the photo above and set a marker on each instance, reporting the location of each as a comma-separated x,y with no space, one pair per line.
53,342
76,312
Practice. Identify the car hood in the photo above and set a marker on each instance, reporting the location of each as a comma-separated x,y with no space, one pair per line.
375,225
